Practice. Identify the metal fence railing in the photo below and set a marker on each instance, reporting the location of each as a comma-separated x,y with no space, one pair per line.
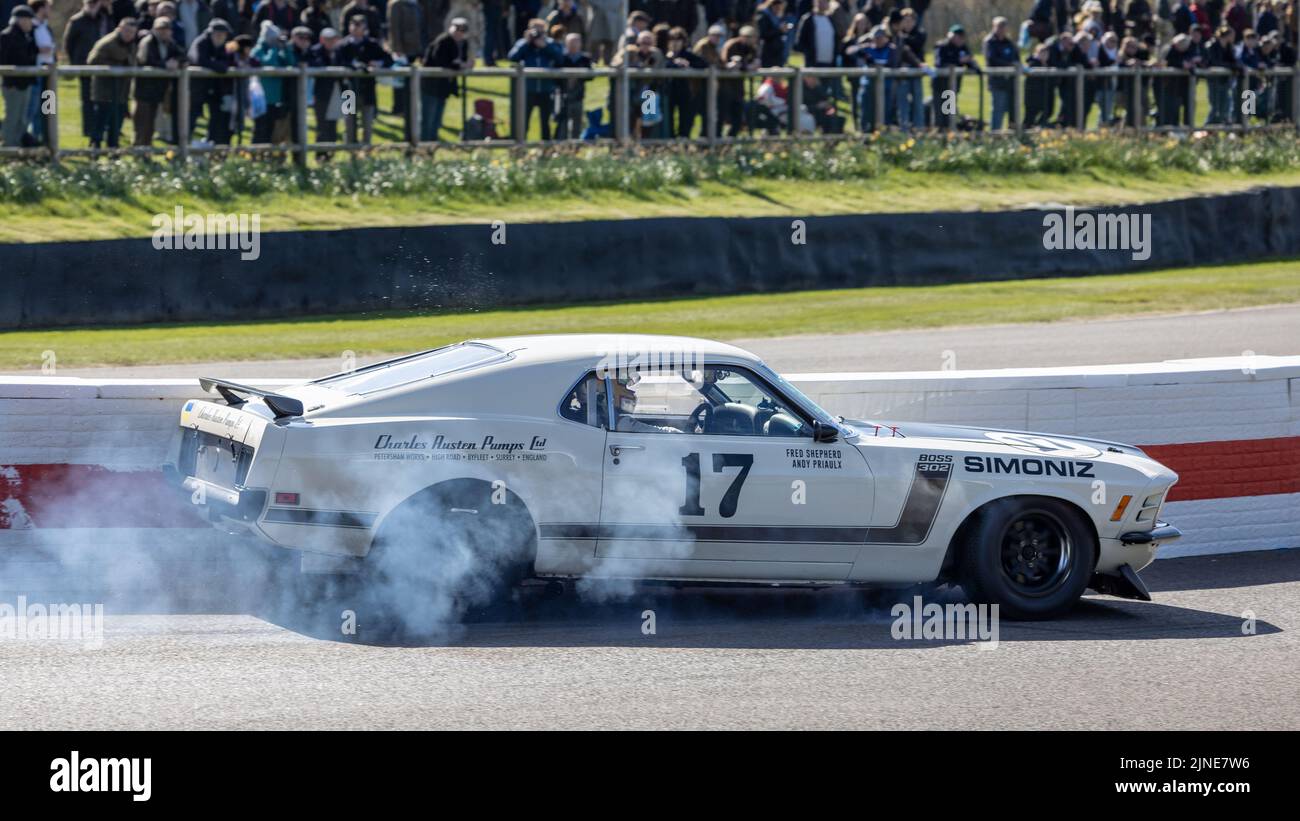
705,106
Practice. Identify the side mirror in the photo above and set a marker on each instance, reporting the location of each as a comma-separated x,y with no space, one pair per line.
823,432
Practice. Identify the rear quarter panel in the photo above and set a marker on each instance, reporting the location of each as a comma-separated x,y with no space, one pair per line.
371,465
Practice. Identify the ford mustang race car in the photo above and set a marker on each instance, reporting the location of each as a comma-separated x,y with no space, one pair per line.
468,468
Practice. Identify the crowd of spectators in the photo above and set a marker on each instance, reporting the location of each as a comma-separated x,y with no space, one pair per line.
734,36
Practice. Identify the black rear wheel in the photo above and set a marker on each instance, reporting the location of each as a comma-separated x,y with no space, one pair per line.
455,549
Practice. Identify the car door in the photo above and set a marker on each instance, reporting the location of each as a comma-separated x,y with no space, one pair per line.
726,500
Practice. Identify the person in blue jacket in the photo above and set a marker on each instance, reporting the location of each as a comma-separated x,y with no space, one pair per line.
536,50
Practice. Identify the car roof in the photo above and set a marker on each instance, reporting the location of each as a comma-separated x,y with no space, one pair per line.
591,349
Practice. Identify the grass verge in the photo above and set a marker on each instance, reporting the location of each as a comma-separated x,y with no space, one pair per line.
891,173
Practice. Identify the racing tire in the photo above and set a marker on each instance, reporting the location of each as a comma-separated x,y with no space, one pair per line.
1032,556
447,552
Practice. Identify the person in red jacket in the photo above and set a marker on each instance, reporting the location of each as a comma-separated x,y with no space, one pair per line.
1237,18
1202,17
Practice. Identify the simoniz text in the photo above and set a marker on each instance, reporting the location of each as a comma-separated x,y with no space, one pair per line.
1028,467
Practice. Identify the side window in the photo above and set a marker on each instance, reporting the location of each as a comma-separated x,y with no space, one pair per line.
717,400
585,404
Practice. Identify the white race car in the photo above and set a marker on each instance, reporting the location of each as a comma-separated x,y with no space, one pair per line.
470,467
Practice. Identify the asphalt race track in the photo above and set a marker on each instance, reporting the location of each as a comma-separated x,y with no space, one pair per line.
718,659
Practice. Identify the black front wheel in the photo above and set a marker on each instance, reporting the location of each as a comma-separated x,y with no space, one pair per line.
1030,555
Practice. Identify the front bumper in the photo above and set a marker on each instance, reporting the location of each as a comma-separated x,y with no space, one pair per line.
1135,548
1162,532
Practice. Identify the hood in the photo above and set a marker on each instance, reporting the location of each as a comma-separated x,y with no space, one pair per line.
1044,444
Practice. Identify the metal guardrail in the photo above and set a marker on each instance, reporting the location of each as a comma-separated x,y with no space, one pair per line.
1138,82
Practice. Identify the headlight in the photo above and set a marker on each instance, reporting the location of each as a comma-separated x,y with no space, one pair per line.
1150,507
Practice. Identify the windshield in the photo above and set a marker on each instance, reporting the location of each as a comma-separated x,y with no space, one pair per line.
797,395
407,369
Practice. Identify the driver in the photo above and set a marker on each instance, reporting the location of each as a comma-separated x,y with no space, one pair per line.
625,406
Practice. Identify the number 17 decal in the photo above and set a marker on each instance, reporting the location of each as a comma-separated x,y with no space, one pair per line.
730,499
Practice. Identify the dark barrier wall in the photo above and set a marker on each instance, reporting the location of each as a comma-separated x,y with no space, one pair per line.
428,268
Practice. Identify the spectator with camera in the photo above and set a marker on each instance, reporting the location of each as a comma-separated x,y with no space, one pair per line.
685,96
739,56
1221,53
537,50
951,52
709,49
646,106
1133,53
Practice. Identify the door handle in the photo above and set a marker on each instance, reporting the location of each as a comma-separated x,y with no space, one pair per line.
615,450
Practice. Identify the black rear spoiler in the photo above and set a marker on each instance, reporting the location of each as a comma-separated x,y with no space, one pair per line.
281,406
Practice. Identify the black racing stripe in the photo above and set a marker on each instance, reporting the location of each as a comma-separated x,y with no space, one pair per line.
921,508
325,518
705,533
914,522
570,530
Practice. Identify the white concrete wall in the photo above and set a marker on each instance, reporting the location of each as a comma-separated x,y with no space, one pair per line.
124,424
